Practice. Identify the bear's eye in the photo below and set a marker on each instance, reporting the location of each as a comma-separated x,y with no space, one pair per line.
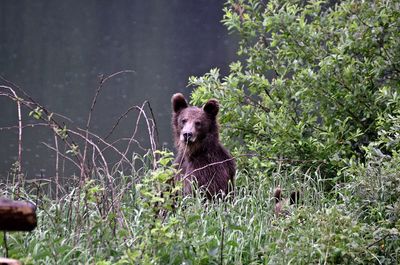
197,124
184,121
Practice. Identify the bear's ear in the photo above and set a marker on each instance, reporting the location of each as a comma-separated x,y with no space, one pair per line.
211,107
178,102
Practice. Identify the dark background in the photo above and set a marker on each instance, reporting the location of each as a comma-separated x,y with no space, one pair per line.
56,50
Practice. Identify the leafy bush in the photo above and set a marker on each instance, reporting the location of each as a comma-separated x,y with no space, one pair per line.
372,194
316,81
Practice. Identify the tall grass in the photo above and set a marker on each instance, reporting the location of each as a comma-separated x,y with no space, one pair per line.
127,212
243,231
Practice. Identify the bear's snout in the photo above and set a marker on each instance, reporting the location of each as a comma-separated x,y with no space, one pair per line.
188,133
187,136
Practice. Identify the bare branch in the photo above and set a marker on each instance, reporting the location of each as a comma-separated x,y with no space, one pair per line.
102,81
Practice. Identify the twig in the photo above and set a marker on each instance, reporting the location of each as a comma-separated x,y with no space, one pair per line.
87,140
221,261
379,240
31,125
19,166
57,167
105,168
127,140
111,145
155,124
150,132
61,154
267,158
102,82
5,243
256,104
118,120
108,145
208,165
48,119
40,180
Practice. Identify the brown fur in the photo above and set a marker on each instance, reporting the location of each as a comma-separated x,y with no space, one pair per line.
281,204
197,143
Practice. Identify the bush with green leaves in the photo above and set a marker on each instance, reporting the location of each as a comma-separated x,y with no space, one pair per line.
317,80
372,193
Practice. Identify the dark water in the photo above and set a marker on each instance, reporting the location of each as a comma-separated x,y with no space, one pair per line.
56,50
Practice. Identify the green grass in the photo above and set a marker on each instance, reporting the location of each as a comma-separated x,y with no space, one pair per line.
326,228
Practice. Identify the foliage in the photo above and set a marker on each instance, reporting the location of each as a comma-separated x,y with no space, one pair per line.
373,192
314,101
317,80
244,231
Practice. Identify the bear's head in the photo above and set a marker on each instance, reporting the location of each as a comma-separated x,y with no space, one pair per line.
192,124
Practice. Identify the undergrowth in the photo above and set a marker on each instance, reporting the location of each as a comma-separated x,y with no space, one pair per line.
356,224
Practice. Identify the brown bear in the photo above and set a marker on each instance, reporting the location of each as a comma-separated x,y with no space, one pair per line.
201,159
282,205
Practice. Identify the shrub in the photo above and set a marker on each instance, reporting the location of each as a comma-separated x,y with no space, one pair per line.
316,81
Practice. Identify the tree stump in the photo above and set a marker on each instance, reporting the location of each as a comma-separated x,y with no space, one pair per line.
17,215
4,261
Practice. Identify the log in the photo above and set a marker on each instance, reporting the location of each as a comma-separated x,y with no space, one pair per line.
17,215
4,261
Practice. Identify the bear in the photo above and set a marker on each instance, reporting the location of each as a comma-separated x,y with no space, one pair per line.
282,205
201,159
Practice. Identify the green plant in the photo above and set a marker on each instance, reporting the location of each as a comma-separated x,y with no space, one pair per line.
316,81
